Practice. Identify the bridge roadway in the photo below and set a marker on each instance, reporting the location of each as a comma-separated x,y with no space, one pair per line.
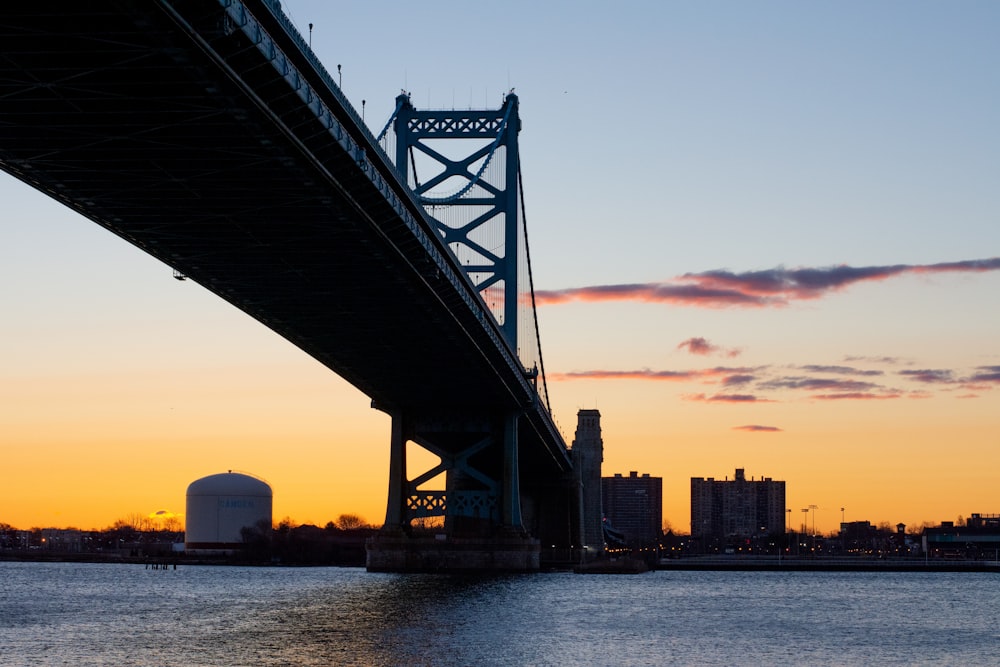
209,138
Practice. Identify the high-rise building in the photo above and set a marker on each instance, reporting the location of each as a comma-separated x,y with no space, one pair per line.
737,507
633,505
587,455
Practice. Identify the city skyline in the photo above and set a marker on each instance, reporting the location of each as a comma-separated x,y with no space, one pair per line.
763,237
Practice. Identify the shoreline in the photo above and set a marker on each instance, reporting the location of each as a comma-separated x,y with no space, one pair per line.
773,564
693,563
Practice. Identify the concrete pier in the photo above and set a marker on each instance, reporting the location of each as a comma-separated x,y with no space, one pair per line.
402,553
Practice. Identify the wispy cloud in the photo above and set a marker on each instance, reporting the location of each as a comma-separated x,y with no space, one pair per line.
677,294
983,378
697,346
840,370
726,398
856,396
757,428
703,347
818,384
767,384
930,376
760,289
985,374
891,361
646,374
663,376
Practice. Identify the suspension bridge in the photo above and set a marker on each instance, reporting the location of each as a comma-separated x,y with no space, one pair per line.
207,134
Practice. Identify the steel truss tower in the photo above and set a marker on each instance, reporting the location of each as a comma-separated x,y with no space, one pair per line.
470,190
471,194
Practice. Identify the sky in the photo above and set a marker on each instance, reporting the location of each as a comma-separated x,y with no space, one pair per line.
764,236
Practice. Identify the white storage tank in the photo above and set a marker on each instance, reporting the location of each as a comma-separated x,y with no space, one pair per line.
220,506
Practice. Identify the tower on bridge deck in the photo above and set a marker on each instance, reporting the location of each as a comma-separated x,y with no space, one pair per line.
463,168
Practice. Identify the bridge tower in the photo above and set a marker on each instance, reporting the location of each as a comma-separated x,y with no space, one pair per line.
463,168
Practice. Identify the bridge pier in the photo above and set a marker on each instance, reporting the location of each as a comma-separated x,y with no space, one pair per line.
481,506
408,553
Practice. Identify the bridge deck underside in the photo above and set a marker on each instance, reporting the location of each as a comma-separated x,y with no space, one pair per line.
116,110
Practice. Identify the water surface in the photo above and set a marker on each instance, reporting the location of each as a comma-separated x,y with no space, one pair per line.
106,614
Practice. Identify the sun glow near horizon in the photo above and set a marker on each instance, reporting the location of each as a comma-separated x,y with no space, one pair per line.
762,237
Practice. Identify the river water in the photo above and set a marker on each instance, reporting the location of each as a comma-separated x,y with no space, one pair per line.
106,614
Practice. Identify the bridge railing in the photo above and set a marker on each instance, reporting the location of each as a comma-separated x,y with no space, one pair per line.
303,45
393,190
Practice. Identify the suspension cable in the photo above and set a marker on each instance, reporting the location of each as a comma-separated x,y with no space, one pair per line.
475,179
531,286
399,105
413,163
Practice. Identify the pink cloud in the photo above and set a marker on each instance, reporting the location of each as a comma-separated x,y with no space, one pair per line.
755,289
757,428
678,294
818,382
663,376
697,346
646,374
701,346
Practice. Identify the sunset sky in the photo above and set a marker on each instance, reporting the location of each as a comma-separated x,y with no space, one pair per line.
764,236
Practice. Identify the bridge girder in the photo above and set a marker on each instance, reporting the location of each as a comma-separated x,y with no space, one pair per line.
204,134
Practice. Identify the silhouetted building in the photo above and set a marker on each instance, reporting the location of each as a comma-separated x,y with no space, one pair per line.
978,538
738,507
633,505
62,539
859,537
587,455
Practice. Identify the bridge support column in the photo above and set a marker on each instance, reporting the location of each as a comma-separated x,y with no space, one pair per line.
395,511
483,528
511,478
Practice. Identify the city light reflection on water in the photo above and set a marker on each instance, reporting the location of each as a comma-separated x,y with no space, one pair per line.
96,614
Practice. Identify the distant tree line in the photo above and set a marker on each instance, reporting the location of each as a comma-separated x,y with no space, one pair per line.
133,535
339,542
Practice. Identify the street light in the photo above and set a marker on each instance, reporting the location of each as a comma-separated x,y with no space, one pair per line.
805,523
788,522
814,508
843,531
